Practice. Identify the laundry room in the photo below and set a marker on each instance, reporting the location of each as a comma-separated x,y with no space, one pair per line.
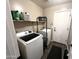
39,29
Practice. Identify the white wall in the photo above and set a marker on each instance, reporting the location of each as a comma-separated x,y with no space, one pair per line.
35,11
49,12
27,6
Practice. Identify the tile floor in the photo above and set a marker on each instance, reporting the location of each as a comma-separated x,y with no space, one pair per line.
47,50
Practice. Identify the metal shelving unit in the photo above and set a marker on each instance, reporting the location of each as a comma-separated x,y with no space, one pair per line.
43,19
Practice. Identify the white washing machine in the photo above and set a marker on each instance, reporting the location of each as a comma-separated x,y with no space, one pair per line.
30,45
43,32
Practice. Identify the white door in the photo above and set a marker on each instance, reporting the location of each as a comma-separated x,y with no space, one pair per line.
61,25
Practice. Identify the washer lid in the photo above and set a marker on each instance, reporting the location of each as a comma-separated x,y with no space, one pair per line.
29,37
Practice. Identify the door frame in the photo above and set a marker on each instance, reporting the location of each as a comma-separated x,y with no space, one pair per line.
58,11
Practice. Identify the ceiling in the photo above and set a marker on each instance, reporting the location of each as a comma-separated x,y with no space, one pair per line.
48,3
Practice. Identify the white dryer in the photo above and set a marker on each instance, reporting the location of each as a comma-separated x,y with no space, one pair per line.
43,32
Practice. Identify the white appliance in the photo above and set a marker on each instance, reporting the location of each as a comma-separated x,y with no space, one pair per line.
43,32
27,16
30,45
